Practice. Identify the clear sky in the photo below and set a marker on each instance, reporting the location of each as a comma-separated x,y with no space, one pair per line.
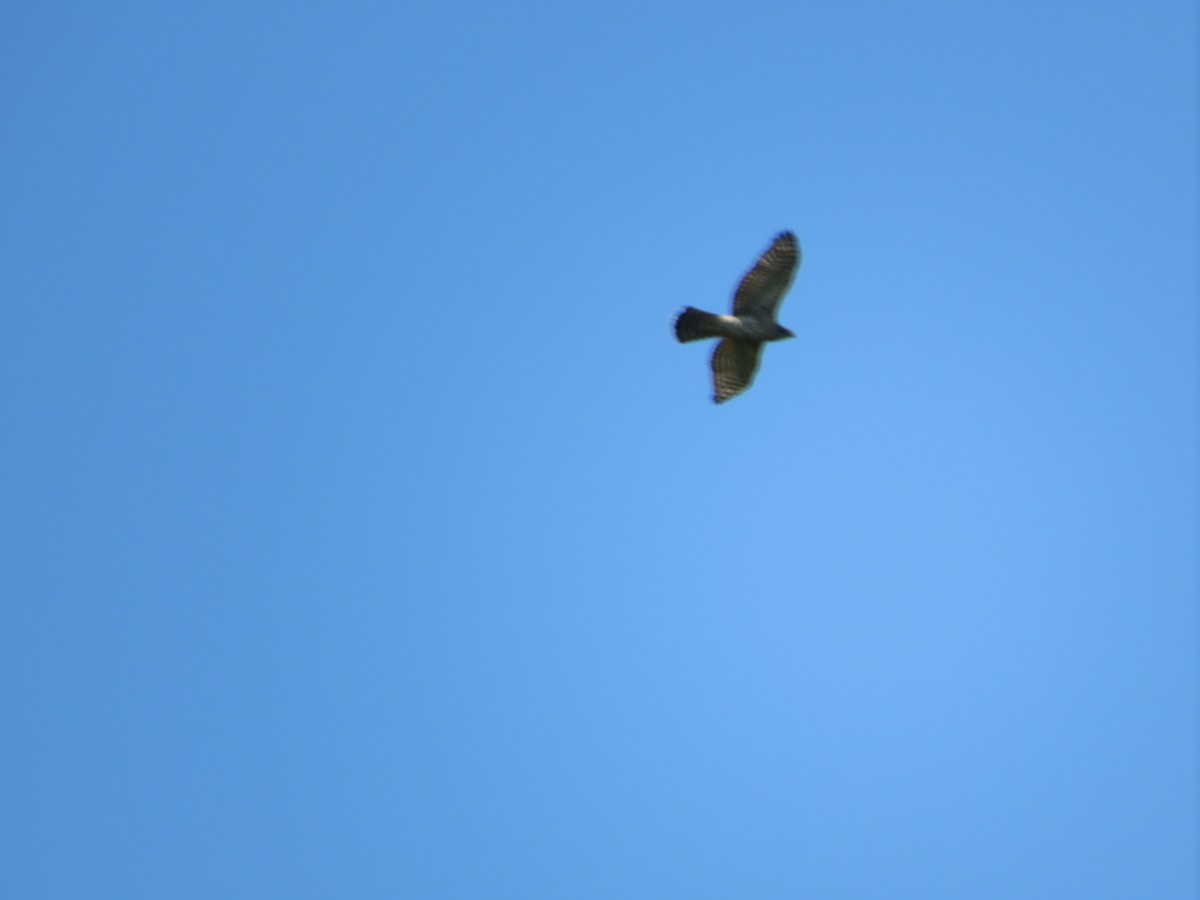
366,534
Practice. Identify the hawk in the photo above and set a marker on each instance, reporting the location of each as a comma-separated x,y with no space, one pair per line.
752,324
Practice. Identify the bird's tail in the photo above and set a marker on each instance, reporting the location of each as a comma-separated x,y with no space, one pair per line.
693,325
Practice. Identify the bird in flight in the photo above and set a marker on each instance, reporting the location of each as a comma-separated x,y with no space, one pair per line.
752,324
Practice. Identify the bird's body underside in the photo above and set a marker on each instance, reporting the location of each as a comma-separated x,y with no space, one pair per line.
735,361
696,324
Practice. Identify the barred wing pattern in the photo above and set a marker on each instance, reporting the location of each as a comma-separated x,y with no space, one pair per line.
764,285
733,366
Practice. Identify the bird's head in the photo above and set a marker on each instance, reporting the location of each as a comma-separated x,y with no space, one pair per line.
781,333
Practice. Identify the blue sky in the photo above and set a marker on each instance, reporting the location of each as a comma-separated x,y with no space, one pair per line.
367,534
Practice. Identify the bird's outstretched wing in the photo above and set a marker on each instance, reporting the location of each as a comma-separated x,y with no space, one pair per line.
733,366
764,285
